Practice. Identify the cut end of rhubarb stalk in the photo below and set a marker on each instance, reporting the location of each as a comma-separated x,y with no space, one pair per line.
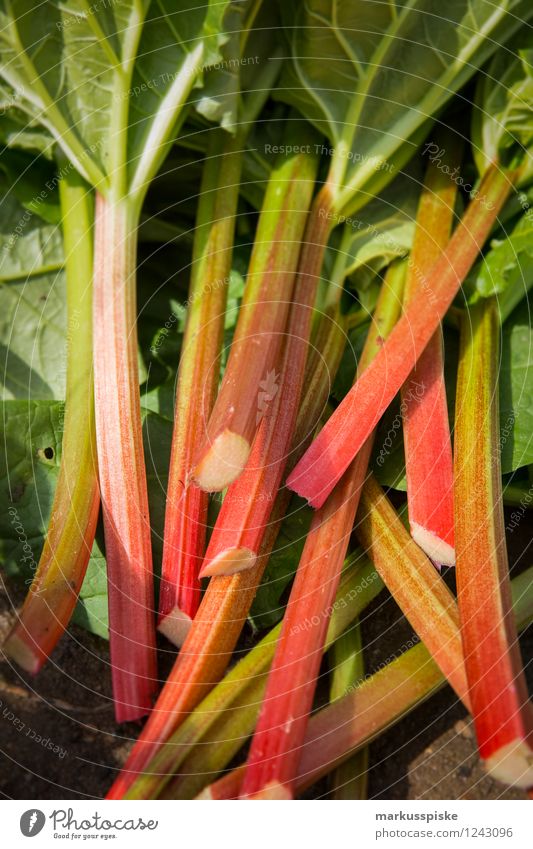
229,562
512,764
204,796
222,463
436,548
175,626
274,791
22,654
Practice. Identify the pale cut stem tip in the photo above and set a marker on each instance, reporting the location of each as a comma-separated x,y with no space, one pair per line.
435,547
222,463
512,764
273,791
175,626
204,796
19,651
229,562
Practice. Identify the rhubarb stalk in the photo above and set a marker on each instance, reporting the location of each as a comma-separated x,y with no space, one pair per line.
426,428
249,379
355,418
414,583
186,510
281,727
121,461
226,603
502,712
214,732
350,779
338,731
56,585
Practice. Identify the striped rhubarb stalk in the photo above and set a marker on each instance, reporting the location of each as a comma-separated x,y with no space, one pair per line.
225,718
121,463
56,585
350,779
342,729
186,510
216,628
502,712
355,418
280,731
426,428
249,386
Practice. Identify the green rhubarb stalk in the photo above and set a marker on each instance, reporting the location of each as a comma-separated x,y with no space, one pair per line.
248,380
350,779
214,732
342,729
414,583
56,585
216,628
186,510
503,714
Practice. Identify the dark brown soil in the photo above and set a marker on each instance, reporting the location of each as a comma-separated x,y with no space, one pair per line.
431,754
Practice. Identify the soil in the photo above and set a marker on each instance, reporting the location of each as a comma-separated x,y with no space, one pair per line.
58,738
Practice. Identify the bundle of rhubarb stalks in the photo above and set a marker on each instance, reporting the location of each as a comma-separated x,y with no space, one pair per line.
340,194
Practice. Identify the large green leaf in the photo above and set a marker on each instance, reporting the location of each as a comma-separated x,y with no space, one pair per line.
503,118
109,80
371,75
506,270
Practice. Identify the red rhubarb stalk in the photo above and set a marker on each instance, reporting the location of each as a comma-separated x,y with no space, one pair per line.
288,699
226,603
414,583
426,428
356,417
186,510
502,712
225,718
340,730
249,379
56,585
121,461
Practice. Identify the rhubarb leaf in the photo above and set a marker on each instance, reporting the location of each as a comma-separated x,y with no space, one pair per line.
503,120
371,76
109,81
506,270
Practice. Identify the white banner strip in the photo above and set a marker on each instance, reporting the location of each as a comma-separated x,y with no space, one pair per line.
347,824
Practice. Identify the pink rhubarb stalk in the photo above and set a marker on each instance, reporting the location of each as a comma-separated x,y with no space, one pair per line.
186,510
248,384
226,603
355,418
502,712
56,585
291,685
121,462
426,428
342,729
